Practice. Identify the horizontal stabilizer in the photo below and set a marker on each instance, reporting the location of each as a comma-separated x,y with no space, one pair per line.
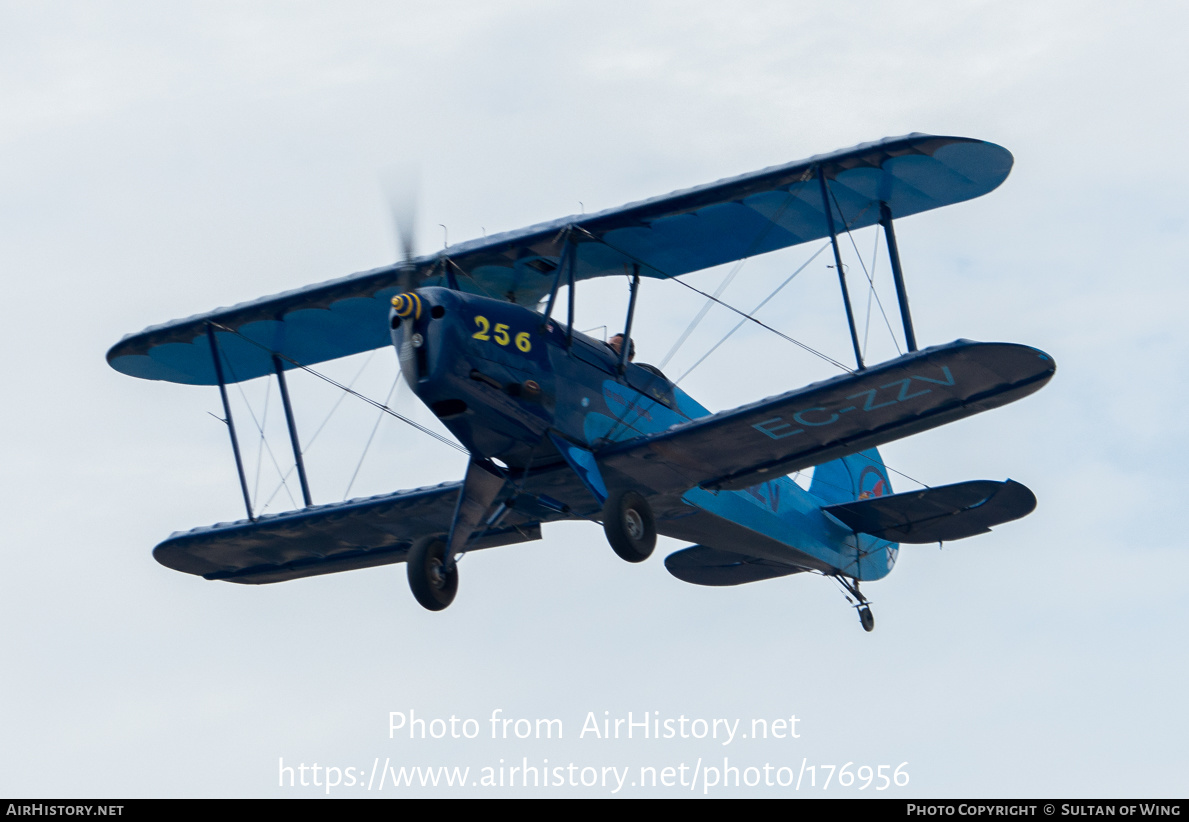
938,514
709,566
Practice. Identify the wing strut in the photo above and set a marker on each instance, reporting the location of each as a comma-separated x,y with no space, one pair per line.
572,248
885,219
564,265
301,467
625,350
239,463
850,315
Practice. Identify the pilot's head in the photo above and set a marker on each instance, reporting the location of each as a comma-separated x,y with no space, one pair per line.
616,344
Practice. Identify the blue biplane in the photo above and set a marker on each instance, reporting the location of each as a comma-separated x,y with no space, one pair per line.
561,426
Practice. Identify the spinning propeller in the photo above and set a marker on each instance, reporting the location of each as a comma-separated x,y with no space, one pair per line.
401,185
432,572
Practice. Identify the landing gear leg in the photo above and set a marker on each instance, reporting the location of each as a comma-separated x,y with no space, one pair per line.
432,560
863,606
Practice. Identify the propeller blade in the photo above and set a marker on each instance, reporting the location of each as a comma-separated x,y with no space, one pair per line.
400,185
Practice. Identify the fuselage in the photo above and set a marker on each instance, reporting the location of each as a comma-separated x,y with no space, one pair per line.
503,378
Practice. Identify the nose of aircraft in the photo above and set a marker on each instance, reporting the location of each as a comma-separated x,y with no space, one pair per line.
406,306
407,322
419,334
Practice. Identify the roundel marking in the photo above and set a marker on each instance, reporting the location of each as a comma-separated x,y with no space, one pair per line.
872,483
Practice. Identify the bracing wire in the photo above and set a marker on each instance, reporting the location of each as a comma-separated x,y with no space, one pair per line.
760,323
870,281
351,391
385,409
711,299
763,302
755,244
260,428
260,448
726,305
372,436
346,389
310,442
339,401
706,306
870,292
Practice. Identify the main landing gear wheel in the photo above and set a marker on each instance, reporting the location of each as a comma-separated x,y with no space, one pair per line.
867,619
432,585
629,526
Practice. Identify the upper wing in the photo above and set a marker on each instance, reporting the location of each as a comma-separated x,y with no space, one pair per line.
667,236
827,420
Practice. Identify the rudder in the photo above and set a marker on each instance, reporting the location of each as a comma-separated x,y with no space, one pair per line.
860,476
853,477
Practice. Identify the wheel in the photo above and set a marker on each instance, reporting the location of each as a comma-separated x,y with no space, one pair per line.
629,526
867,619
431,585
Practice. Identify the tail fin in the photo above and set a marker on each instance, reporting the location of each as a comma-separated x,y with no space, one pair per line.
859,476
854,477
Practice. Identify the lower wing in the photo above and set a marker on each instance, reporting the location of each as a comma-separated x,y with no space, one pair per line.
324,539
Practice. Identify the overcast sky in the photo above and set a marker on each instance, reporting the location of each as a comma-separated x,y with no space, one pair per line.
158,160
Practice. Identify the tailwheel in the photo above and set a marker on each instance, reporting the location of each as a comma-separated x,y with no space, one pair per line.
866,618
432,582
629,526
860,602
